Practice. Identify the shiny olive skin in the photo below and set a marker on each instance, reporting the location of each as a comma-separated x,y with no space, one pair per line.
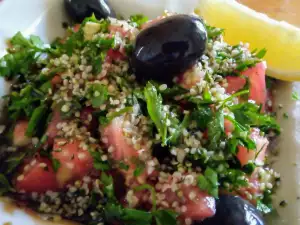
233,210
168,48
78,10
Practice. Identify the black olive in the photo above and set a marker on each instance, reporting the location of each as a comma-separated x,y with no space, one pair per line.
233,210
168,48
80,9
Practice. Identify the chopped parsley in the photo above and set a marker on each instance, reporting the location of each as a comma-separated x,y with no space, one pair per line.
295,96
4,185
138,20
209,182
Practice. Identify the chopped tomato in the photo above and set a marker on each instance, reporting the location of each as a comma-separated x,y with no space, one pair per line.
258,155
37,176
114,55
19,136
52,127
235,84
198,204
117,142
118,28
201,207
76,27
56,80
256,76
75,162
228,126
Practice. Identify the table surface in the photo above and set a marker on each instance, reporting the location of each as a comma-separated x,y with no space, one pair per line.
278,9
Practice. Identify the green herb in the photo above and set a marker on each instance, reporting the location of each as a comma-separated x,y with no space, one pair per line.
99,164
240,136
285,115
295,96
249,168
138,19
260,54
202,115
108,183
155,110
263,207
165,217
209,182
123,166
98,94
242,64
13,162
24,102
214,32
139,169
35,119
250,114
56,164
4,185
174,137
216,130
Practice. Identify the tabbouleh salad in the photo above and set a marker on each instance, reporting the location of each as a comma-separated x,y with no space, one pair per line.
86,140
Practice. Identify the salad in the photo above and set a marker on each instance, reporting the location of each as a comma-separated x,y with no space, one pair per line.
138,122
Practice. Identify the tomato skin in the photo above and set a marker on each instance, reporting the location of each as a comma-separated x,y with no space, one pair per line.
244,155
37,176
52,130
56,80
75,162
115,139
115,55
19,135
235,84
256,76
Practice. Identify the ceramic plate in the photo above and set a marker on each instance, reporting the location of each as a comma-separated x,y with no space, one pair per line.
45,17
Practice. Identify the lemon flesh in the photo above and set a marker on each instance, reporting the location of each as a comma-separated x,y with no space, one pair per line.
241,23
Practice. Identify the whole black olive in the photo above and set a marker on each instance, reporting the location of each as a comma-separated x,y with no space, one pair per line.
80,9
233,210
168,48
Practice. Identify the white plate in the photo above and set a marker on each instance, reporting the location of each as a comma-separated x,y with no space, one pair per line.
45,17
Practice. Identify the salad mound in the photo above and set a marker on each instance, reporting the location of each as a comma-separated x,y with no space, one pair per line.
89,138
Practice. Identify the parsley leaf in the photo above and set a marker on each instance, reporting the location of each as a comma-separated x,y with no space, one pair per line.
37,115
99,164
4,185
216,130
209,182
165,217
295,96
98,94
202,115
263,207
155,110
13,162
174,137
138,19
249,114
55,164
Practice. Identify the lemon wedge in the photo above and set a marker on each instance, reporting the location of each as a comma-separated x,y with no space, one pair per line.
241,23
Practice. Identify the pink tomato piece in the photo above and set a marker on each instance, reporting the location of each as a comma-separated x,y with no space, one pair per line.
75,162
116,141
19,135
258,155
37,176
52,130
256,76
